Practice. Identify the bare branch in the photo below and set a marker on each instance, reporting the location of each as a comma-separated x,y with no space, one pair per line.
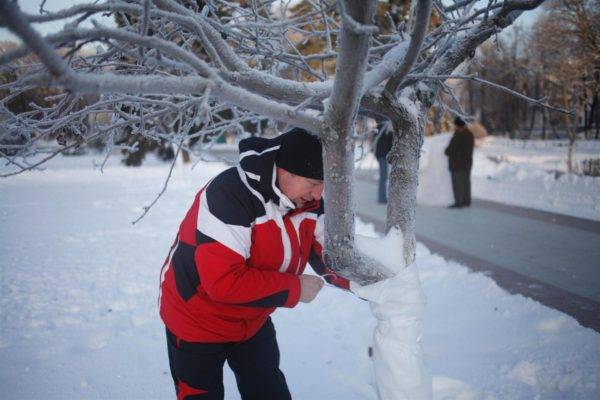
112,83
391,62
540,102
47,158
421,26
504,17
165,185
15,21
351,66
458,4
352,25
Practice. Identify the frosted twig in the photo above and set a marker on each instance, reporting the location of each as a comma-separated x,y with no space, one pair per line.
164,188
353,25
539,102
47,158
418,35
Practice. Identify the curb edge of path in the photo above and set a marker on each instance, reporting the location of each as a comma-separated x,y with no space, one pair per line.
569,221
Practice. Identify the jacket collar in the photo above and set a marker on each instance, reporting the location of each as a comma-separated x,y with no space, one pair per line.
257,161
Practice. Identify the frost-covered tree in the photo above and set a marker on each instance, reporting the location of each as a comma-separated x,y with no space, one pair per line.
173,67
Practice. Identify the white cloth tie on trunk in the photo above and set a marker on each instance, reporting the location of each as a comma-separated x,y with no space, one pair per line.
398,305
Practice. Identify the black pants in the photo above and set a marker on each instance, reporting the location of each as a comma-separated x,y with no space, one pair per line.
197,368
461,186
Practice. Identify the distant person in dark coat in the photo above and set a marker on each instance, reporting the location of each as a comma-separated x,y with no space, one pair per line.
383,145
460,161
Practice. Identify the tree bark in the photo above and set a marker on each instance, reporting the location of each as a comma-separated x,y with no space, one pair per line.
338,146
404,160
571,134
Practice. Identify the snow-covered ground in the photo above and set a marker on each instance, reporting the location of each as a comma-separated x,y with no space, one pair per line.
533,174
79,319
523,173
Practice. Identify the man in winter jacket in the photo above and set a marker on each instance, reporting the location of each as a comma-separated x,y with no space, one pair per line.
240,253
460,161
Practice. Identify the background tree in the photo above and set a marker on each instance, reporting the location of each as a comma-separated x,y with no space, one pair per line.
574,50
556,58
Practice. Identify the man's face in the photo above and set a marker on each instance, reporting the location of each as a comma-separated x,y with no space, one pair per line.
299,189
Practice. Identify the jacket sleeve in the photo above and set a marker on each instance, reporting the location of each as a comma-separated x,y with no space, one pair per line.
316,258
223,246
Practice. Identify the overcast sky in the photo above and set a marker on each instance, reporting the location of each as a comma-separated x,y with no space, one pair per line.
33,7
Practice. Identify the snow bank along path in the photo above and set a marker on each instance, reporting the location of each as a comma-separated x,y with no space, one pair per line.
79,284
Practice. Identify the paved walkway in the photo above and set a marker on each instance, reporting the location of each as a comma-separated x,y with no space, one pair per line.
552,258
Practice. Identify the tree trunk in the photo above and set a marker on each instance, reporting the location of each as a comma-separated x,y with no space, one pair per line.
337,138
471,89
571,134
544,123
532,122
404,159
397,303
185,156
397,343
338,164
437,120
570,156
592,116
338,146
483,118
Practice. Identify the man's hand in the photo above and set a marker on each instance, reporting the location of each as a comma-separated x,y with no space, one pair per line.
309,287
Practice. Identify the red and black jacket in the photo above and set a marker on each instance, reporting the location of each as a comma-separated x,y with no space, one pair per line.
239,251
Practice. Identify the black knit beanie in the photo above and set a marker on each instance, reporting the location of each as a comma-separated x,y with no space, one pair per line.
301,154
458,121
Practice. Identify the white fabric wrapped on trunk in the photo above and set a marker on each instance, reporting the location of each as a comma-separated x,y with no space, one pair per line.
398,305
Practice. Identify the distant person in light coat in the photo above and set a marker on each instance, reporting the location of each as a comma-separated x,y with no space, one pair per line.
460,162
